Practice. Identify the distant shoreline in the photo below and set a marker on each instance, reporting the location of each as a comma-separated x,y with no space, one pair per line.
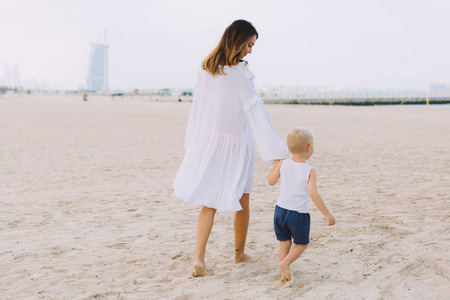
363,101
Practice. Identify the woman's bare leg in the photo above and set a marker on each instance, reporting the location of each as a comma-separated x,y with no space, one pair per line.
241,220
204,226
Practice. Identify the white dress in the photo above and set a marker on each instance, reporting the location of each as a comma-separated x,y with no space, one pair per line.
217,167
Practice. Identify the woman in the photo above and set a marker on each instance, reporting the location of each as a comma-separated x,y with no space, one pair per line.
217,169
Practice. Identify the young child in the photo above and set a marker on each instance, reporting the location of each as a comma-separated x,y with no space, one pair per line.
298,182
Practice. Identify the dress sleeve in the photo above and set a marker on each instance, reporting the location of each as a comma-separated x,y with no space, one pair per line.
269,144
192,114
190,127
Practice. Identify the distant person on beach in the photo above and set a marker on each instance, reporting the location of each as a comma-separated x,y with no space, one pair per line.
298,183
85,97
217,169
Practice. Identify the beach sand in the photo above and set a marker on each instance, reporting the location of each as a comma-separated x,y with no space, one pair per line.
87,209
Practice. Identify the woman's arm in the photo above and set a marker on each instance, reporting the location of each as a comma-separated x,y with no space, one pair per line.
274,175
269,144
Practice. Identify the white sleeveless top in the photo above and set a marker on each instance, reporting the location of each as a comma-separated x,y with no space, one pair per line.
294,194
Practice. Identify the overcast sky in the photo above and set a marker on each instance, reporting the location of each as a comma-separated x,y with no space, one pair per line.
393,44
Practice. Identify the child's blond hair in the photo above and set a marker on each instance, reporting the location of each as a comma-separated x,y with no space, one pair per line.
298,139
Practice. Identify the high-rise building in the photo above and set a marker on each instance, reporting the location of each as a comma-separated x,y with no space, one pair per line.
98,66
6,76
15,79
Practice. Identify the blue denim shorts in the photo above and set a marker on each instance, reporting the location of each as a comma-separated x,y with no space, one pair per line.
289,224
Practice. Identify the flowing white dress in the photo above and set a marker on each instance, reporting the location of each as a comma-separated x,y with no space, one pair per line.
218,163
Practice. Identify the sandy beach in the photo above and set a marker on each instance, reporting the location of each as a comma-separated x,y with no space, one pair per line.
87,210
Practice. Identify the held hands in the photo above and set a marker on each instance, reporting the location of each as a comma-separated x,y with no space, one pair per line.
276,162
330,219
274,175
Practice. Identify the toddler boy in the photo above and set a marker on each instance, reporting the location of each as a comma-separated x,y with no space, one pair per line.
298,183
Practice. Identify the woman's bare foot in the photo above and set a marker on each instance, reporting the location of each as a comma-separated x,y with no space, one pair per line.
244,258
200,269
286,275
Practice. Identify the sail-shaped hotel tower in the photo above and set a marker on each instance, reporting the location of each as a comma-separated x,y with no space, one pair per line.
97,80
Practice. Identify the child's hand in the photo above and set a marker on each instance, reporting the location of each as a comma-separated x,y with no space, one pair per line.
274,175
330,219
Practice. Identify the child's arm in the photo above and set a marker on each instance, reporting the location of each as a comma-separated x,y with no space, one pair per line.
315,196
274,175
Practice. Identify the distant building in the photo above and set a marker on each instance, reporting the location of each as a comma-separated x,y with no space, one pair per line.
98,66
6,76
165,92
15,79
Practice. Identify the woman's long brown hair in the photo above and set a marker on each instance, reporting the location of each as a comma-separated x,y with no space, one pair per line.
229,48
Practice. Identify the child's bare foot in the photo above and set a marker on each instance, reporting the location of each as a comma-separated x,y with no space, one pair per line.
279,284
244,258
200,269
282,283
286,275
